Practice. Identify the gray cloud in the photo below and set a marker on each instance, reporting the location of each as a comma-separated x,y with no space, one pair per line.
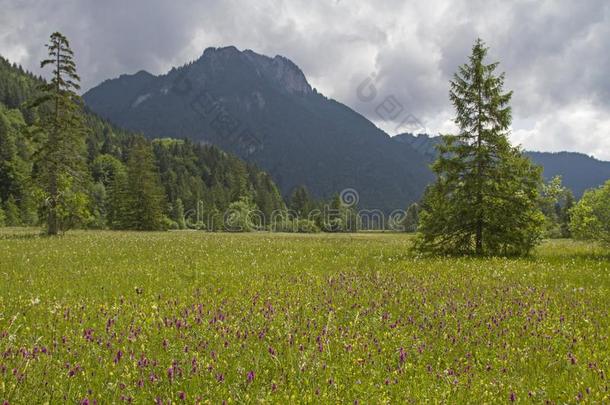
555,53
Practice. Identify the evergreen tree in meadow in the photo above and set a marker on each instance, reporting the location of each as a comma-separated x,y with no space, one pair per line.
143,202
485,198
60,160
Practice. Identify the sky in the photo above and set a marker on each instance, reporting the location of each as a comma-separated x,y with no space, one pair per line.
389,60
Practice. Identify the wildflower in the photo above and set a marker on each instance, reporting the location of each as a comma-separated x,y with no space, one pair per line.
250,376
403,355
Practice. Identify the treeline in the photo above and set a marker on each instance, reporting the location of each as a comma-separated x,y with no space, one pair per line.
128,182
125,182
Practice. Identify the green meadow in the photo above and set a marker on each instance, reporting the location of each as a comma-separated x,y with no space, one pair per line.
193,317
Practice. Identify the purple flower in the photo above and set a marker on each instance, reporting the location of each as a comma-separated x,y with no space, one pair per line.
403,355
250,376
182,395
513,398
118,356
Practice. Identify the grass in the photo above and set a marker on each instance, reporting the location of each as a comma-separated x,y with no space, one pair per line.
190,316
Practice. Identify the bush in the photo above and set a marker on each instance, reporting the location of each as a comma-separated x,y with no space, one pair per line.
2,216
590,218
307,226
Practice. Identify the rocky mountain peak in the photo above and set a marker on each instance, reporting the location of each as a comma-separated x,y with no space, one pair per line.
279,70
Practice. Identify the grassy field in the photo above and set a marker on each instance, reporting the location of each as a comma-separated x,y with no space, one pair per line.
190,316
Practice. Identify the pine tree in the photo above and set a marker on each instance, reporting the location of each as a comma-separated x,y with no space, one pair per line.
485,198
145,199
301,203
117,200
61,157
11,212
411,218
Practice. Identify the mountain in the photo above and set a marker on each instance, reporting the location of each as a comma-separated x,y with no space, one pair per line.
264,110
578,171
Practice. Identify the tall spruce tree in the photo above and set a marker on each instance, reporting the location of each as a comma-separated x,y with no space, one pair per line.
145,199
485,198
60,160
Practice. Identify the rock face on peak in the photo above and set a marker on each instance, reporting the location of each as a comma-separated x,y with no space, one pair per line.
264,110
281,70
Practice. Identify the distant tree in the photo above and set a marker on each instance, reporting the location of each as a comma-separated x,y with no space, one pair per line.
12,212
301,202
590,217
411,218
485,198
178,214
15,166
60,159
144,198
2,216
117,201
564,218
239,216
553,202
340,217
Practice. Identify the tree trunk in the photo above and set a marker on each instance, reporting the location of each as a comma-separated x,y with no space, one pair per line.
479,225
52,220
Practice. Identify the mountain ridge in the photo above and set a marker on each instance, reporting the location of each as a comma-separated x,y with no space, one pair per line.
264,110
579,171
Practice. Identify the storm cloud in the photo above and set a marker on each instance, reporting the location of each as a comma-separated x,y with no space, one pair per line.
556,54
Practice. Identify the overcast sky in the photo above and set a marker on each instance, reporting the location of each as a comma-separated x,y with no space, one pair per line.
389,60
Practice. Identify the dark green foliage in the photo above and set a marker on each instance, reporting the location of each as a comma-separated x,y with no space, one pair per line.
339,217
11,212
590,218
565,217
301,203
178,214
16,167
485,199
555,203
208,180
142,201
411,220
